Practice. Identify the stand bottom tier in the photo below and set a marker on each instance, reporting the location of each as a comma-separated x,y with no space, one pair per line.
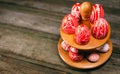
84,64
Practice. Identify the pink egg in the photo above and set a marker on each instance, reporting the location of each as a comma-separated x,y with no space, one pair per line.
65,46
75,11
82,34
93,57
97,12
100,28
103,48
74,50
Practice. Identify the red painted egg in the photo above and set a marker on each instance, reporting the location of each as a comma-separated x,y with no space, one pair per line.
75,56
97,12
100,28
69,24
82,34
75,11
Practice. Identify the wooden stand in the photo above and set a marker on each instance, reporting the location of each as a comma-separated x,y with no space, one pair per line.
91,45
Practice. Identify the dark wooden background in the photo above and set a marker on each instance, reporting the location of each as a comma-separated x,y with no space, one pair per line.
29,32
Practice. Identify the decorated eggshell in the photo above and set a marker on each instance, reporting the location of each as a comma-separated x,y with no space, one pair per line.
100,28
75,11
97,12
82,34
103,48
74,50
65,46
75,56
69,24
93,57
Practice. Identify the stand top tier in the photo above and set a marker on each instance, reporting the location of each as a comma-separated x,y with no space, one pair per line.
92,44
85,12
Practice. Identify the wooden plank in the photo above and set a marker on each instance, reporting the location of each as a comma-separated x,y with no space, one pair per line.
38,46
34,22
10,65
112,66
30,44
36,3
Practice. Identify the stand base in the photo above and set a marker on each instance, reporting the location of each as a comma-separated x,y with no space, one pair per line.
84,64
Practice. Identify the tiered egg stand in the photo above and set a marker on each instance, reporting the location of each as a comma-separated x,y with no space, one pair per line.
90,46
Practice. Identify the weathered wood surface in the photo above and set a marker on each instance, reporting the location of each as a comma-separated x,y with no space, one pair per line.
45,13
10,65
29,31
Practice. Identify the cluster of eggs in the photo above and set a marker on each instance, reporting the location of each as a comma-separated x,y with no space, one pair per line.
77,55
71,24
